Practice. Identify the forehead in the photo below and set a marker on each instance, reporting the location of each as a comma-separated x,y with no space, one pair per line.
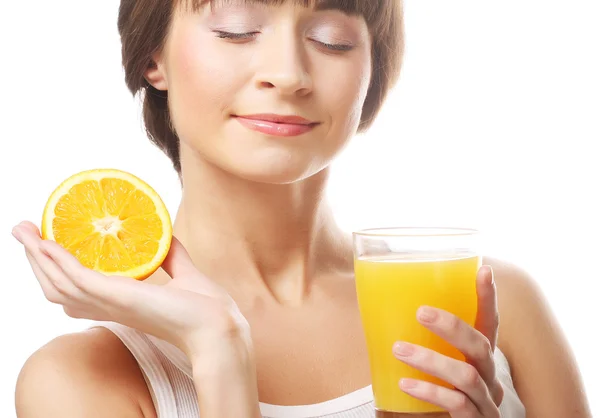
353,7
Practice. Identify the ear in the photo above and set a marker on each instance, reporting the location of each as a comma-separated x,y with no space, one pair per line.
155,74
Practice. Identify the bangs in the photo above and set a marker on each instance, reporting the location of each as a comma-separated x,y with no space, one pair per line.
377,14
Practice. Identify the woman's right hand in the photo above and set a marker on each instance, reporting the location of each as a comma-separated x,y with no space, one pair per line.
190,311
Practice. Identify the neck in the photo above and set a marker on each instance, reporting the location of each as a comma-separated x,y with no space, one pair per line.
259,239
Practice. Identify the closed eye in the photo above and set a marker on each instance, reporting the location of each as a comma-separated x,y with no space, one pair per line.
235,35
336,47
243,36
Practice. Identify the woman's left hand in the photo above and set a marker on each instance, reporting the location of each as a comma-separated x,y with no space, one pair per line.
478,391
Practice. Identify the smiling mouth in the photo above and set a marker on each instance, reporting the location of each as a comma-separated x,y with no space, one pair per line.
277,125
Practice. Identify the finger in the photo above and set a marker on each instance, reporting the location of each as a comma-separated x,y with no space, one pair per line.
106,295
48,289
31,227
116,295
51,273
472,343
178,262
179,265
487,319
463,376
453,401
90,294
86,280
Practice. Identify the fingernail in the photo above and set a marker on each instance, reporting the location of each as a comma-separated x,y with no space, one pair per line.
427,314
408,383
491,275
404,349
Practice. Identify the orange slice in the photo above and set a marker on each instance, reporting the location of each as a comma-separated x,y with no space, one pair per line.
111,221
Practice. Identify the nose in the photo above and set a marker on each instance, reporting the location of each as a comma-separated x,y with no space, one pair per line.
284,68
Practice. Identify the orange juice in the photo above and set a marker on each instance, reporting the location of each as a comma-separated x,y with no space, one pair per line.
390,290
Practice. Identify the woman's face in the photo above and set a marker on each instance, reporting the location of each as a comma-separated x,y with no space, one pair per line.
267,93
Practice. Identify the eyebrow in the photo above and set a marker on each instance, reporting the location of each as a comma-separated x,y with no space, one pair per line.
350,7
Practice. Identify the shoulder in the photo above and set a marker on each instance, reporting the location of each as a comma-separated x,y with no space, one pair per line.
543,367
89,374
514,286
521,301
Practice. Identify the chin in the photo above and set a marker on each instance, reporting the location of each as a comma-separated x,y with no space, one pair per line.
278,169
275,175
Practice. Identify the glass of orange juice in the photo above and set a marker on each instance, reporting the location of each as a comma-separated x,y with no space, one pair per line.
398,270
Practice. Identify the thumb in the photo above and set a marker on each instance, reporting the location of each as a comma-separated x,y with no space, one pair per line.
487,320
179,265
178,262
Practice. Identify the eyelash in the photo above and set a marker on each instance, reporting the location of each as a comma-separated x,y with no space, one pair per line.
249,35
337,47
235,36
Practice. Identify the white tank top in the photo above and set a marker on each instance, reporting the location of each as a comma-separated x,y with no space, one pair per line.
168,375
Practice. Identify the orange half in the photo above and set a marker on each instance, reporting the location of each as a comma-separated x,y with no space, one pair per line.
111,221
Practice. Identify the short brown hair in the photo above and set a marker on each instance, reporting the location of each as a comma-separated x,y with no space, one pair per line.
144,24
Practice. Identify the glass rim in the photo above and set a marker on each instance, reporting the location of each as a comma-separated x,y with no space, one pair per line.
415,232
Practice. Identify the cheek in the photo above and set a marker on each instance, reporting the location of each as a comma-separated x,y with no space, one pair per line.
345,97
201,87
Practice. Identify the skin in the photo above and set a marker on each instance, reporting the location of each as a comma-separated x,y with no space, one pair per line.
275,263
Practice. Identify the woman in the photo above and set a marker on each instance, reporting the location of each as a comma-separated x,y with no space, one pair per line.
252,101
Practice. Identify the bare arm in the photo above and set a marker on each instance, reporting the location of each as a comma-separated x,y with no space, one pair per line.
89,374
544,369
93,375
72,378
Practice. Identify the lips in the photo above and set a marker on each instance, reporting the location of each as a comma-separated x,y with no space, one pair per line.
277,125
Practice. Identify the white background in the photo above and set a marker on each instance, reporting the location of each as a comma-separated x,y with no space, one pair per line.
495,125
